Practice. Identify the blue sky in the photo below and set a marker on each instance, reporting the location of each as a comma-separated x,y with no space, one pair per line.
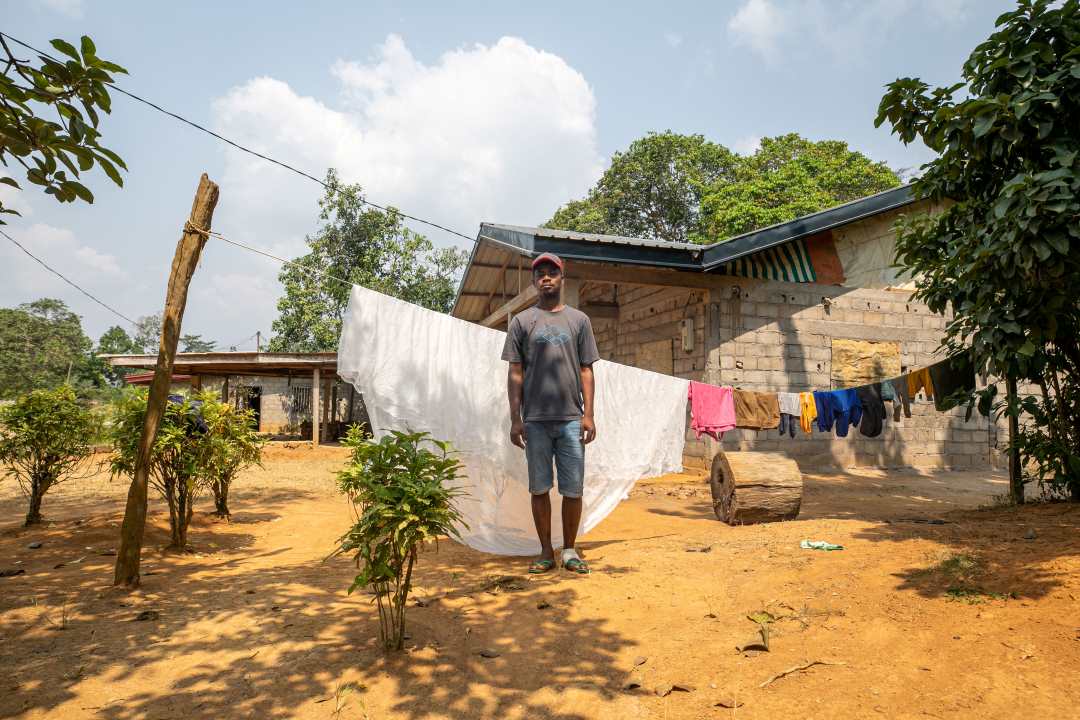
460,112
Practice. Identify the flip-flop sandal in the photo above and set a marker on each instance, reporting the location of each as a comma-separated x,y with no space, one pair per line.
542,566
577,565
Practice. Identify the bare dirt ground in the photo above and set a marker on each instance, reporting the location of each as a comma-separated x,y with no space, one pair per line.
963,617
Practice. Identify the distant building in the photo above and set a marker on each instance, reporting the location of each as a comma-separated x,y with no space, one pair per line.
278,387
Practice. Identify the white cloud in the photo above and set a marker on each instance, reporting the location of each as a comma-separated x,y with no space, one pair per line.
26,280
673,39
844,28
15,199
72,9
747,145
503,132
758,24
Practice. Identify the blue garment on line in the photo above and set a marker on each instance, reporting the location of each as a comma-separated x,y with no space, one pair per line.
839,407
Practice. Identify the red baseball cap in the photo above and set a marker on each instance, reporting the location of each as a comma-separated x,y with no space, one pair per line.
550,258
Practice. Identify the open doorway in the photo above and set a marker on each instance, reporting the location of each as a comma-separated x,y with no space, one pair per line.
249,397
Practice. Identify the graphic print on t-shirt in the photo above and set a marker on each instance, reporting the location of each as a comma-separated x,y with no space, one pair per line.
552,335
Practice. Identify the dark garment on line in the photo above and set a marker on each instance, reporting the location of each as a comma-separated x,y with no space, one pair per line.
900,389
873,410
788,423
756,410
822,407
841,407
949,376
552,347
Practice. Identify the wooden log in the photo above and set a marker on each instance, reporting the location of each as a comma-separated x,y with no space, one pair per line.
185,260
755,487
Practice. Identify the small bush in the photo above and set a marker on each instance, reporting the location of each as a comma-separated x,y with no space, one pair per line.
232,443
44,437
402,489
181,461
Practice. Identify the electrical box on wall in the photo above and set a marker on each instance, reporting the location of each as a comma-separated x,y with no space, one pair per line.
688,335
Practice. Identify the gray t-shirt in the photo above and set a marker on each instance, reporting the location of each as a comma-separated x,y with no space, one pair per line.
552,346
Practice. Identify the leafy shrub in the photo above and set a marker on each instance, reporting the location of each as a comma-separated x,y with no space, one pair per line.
232,444
44,438
181,462
403,489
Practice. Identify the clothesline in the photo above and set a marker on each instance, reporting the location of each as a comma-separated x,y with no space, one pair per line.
717,409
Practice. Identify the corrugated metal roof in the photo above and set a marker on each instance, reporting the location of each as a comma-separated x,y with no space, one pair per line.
497,244
531,241
588,237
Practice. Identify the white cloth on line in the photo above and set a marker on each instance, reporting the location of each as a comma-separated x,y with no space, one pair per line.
425,371
789,403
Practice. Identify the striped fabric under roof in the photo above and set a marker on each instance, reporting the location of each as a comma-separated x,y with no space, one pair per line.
789,262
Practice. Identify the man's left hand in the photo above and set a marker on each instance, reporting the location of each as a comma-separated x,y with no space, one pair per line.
588,430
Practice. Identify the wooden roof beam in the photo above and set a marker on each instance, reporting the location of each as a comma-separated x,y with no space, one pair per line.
516,304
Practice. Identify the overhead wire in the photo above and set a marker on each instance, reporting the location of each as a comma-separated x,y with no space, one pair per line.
45,265
283,261
248,150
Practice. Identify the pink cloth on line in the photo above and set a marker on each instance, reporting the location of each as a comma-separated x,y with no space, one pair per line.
712,409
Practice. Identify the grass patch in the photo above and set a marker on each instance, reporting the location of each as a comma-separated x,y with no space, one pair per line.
960,574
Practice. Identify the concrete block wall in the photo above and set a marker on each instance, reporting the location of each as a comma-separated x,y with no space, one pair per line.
277,414
774,336
649,314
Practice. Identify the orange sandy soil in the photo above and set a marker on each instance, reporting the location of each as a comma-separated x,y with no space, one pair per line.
255,624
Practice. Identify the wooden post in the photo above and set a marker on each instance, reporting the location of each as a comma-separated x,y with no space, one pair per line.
325,433
1016,478
315,407
185,260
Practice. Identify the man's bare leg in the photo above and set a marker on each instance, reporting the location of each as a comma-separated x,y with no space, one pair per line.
541,511
571,521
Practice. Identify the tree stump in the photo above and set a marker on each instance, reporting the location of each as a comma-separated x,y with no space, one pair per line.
755,487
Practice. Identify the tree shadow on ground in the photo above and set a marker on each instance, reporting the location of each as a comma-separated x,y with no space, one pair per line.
1018,552
267,641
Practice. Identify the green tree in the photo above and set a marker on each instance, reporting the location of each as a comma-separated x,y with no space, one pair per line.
1004,254
402,488
363,246
653,189
49,119
688,189
195,344
148,333
114,341
42,345
44,441
786,178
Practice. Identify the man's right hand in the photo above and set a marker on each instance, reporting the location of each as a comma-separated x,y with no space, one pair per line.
517,433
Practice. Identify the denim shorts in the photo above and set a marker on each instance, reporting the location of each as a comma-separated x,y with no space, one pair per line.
558,441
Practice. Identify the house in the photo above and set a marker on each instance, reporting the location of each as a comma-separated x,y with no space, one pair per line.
279,388
809,304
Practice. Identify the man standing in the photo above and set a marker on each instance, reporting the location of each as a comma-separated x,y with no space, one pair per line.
551,350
